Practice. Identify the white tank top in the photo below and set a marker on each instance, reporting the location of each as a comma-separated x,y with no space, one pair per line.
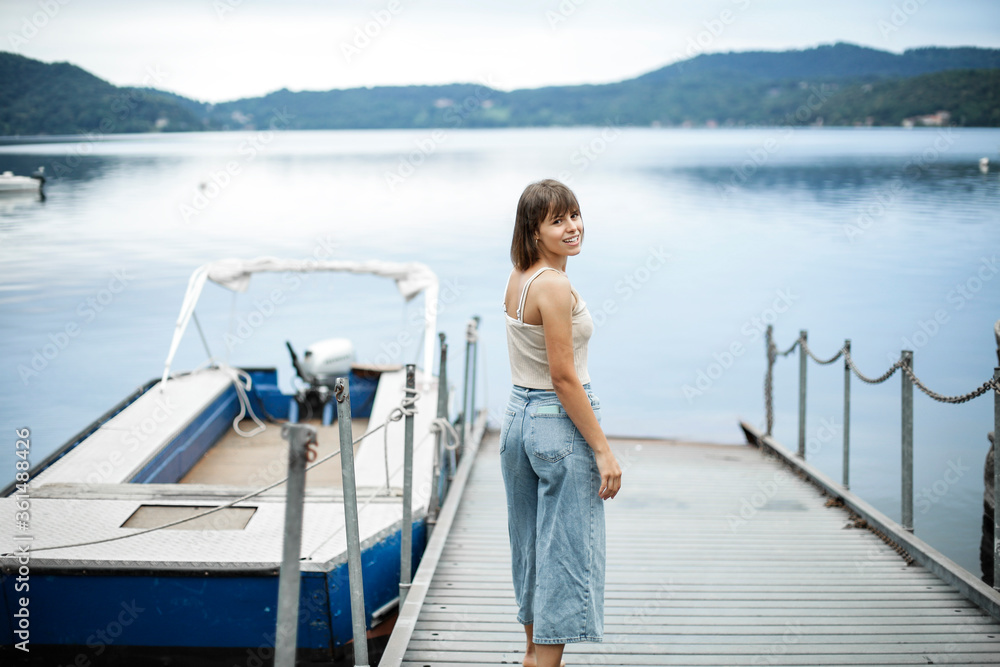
529,361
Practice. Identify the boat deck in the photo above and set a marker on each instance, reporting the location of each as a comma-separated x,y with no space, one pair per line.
263,458
717,555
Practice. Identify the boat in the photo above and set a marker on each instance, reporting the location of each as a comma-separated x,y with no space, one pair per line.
11,183
108,560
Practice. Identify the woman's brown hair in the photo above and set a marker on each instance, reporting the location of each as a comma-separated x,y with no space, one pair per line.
537,201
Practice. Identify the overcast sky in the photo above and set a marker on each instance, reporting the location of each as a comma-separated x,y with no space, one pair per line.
217,50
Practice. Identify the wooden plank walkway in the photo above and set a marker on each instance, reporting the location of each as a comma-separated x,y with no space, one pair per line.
717,555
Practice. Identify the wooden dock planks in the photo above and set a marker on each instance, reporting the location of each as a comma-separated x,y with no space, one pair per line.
717,555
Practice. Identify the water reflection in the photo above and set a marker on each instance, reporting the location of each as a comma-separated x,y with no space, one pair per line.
730,253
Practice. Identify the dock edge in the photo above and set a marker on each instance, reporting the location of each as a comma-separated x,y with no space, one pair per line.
407,619
973,589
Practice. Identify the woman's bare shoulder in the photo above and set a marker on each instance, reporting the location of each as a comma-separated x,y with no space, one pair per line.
554,288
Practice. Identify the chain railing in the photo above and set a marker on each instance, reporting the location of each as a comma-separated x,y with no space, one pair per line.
909,380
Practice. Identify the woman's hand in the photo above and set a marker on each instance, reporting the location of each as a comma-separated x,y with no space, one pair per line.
611,474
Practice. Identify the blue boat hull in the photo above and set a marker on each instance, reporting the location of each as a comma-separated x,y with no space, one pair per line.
94,612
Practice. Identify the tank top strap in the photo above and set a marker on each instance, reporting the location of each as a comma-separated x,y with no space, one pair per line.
505,292
524,292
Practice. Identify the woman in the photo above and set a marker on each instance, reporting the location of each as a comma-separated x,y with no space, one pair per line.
557,465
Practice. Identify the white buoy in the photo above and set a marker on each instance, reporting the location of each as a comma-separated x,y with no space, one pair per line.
984,164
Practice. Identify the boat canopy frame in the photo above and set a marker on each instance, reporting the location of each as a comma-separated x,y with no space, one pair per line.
411,278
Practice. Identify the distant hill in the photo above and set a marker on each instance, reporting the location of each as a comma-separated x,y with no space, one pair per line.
60,98
839,84
829,62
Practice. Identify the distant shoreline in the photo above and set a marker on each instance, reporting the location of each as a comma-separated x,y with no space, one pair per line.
124,136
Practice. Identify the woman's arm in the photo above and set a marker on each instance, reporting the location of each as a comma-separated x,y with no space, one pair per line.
555,305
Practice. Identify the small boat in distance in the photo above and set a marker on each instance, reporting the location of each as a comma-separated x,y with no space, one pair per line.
11,183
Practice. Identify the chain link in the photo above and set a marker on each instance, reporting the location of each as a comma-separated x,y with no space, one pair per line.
791,349
805,346
772,355
879,380
976,393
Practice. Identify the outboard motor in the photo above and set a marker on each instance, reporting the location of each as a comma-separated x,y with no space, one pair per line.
323,362
39,176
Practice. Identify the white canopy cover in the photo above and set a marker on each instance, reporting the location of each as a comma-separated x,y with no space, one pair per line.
411,278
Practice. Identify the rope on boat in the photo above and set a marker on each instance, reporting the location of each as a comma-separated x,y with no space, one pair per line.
444,426
405,407
370,498
243,382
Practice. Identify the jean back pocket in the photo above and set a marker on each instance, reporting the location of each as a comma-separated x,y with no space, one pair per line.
552,435
508,419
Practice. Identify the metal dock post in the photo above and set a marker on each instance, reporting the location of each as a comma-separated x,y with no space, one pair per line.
469,338
343,394
299,436
907,442
406,541
803,335
847,414
996,475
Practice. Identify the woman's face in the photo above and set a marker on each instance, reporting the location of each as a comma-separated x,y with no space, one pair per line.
561,234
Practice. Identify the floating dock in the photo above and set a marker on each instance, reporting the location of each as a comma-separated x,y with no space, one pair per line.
717,555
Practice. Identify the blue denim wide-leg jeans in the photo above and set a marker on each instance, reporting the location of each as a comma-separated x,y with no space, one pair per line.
555,518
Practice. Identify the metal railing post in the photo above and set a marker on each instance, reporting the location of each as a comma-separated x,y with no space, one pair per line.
472,395
907,443
802,392
469,336
286,634
847,414
769,378
406,541
343,395
996,477
435,501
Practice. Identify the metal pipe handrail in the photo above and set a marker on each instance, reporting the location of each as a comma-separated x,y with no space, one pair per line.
909,379
301,437
342,393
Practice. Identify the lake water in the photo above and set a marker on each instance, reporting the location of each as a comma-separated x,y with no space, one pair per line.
695,240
